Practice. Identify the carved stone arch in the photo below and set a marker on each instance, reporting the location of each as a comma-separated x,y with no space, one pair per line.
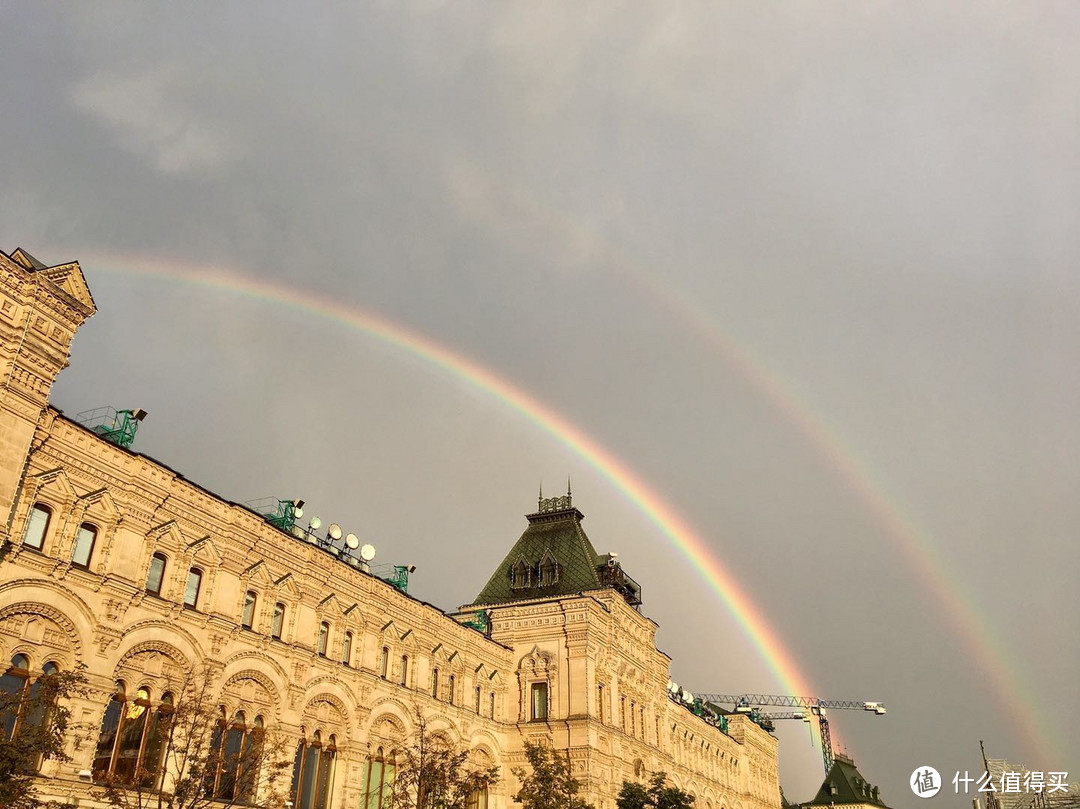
62,643
149,632
386,727
394,711
253,692
54,601
327,712
331,687
239,663
442,726
487,742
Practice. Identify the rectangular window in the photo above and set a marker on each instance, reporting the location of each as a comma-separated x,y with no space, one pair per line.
84,545
36,527
279,619
249,609
539,701
600,701
155,574
324,637
191,591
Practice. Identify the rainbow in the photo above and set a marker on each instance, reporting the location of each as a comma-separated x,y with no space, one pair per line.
749,618
956,603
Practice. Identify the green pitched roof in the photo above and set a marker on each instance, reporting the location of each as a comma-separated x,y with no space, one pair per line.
554,535
845,784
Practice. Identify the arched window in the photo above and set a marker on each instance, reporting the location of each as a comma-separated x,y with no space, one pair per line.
156,574
384,663
378,775
405,670
477,695
131,738
37,526
279,620
84,545
110,729
313,772
249,609
478,799
15,686
191,590
236,751
324,635
346,649
450,689
435,683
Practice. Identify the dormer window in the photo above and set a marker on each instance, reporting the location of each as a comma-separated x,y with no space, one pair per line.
520,578
549,571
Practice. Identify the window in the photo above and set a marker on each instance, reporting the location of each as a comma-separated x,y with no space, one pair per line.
641,725
385,662
405,670
36,526
477,695
622,713
539,701
378,775
84,545
132,739
633,718
600,701
313,772
279,619
191,591
16,684
519,577
346,649
235,750
324,635
435,683
156,574
478,799
450,689
549,572
249,609
492,704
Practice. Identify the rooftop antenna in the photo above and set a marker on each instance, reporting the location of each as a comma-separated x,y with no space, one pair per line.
540,499
567,485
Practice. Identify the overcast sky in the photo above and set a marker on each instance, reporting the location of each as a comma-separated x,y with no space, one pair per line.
809,270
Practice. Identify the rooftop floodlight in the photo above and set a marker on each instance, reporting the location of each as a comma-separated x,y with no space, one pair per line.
315,524
298,504
139,414
410,568
335,531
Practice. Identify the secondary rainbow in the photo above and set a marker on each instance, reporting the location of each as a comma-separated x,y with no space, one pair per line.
750,619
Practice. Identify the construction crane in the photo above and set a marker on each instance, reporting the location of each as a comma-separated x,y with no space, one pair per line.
751,704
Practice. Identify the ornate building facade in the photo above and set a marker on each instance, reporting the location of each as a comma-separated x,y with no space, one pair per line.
113,561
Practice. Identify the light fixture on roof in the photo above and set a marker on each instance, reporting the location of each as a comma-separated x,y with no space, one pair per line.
314,524
335,531
352,541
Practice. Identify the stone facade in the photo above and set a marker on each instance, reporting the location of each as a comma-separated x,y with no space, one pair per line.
116,562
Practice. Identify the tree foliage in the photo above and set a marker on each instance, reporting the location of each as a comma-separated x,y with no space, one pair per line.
192,755
40,717
549,784
655,796
432,772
